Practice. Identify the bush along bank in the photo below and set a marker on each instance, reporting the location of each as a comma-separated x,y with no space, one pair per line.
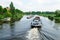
57,19
16,17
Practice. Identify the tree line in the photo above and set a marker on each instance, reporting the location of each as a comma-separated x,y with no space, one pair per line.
12,11
57,13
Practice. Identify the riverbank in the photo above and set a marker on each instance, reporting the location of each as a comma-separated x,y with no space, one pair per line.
57,19
16,17
52,16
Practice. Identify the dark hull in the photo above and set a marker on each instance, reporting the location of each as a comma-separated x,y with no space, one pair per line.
35,26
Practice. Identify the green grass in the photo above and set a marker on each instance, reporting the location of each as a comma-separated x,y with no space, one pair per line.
57,19
46,15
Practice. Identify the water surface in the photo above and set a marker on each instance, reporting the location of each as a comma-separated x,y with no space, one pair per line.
17,30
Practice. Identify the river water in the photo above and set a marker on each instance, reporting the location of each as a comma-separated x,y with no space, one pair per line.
21,30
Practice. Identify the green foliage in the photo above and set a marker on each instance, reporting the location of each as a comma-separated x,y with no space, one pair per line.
51,18
18,11
57,12
1,17
8,14
17,14
12,8
14,14
46,15
1,9
4,10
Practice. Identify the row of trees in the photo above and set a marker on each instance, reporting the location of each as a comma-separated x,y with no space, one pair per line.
38,12
57,12
11,11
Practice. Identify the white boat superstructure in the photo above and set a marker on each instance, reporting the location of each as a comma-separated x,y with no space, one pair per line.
36,22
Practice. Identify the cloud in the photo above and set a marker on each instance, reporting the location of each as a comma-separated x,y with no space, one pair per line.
33,5
4,3
42,5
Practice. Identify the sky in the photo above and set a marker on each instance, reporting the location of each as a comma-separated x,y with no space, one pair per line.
33,5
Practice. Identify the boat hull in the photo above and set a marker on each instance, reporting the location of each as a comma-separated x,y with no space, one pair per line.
35,26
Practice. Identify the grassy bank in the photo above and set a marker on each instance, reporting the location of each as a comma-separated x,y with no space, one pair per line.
57,19
52,16
13,18
46,15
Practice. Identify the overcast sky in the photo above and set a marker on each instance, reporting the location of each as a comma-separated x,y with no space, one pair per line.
33,5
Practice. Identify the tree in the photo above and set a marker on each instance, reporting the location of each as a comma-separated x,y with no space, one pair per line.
18,11
4,10
57,12
1,9
12,8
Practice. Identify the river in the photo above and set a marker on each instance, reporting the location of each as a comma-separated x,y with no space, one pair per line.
20,29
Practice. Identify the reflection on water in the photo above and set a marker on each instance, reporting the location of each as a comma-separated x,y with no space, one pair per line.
18,30
1,27
12,29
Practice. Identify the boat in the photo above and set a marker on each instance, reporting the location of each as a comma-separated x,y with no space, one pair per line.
36,23
30,16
